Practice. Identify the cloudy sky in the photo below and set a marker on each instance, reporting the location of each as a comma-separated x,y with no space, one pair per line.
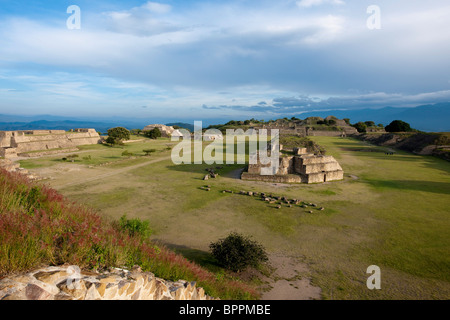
201,59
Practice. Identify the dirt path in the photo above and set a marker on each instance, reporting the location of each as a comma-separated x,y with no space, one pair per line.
111,173
288,281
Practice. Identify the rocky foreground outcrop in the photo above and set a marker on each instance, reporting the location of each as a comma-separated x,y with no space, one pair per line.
11,166
70,283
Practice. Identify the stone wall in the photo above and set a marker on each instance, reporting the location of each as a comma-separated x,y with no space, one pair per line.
8,152
289,178
13,143
303,128
319,177
304,168
69,283
47,153
325,133
286,165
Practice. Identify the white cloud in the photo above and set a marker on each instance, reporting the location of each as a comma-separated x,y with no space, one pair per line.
157,7
311,3
254,52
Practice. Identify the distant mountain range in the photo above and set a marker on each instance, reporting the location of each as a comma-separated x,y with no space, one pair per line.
430,118
54,125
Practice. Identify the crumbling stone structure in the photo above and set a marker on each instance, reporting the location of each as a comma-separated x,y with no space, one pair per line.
71,283
10,166
166,131
302,167
27,143
309,127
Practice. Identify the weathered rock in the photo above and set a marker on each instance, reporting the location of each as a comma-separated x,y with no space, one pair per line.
60,283
35,292
52,277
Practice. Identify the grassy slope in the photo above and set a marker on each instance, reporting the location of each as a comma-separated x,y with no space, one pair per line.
39,227
394,215
401,224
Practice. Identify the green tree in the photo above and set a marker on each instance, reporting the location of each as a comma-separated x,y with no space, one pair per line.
360,126
119,133
153,134
112,141
370,123
237,252
398,126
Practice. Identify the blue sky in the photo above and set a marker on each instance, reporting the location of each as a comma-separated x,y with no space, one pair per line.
218,59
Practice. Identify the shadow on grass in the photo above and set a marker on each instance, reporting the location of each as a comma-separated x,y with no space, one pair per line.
379,153
226,170
202,258
424,186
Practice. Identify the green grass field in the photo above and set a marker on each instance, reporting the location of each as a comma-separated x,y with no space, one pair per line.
390,211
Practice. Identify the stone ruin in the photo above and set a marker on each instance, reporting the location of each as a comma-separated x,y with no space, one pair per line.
10,166
71,283
166,131
38,142
308,127
302,167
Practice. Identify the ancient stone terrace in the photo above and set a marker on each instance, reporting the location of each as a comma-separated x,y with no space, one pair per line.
312,126
302,167
35,142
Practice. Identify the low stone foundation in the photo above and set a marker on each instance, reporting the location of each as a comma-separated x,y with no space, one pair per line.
69,283
46,153
10,166
288,178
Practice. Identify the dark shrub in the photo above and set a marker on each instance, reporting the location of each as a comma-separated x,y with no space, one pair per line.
398,126
237,252
153,134
148,151
360,126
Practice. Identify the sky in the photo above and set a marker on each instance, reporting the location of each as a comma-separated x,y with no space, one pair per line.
235,59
